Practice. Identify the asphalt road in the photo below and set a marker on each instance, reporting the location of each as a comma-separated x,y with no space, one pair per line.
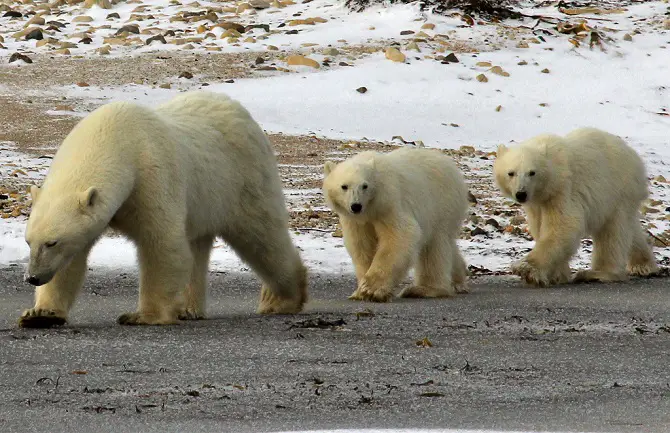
588,357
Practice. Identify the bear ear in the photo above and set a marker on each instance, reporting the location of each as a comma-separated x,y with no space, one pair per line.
89,198
328,167
501,150
34,192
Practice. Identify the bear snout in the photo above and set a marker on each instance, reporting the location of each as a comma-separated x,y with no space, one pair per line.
521,196
32,279
356,207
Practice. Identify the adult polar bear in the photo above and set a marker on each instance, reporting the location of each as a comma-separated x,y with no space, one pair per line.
586,183
171,180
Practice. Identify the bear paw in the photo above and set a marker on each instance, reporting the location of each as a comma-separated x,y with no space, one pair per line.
272,304
191,314
461,289
365,292
138,318
530,273
591,276
426,292
40,318
642,270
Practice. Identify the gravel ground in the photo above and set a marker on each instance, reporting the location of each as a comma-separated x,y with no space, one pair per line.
588,357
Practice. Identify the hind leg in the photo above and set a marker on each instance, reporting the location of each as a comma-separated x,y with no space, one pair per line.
270,253
195,295
611,249
434,270
459,270
641,261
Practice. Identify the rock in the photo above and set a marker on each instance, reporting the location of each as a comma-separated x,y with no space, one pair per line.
482,78
517,220
492,222
165,86
36,20
628,37
499,71
522,63
82,84
660,178
298,60
272,48
61,51
259,4
82,19
484,64
259,60
406,32
159,38
104,4
66,44
428,26
228,25
12,14
330,52
471,198
18,56
394,55
243,7
362,89
35,34
450,58
104,50
478,231
545,71
186,75
522,44
413,46
130,28
113,15
86,40
666,24
498,108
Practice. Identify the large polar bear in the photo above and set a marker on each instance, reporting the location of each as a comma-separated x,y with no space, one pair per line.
588,183
399,210
171,179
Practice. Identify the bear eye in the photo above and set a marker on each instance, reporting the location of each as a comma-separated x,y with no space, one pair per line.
365,186
531,173
510,174
344,187
50,244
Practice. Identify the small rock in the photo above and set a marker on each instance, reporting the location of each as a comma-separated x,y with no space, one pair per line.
259,4
484,64
545,71
406,32
522,63
492,222
362,89
82,84
165,86
130,28
478,231
113,15
186,75
394,55
517,220
35,34
482,78
12,14
428,26
413,46
666,25
85,41
82,19
104,50
272,48
104,4
159,38
522,44
628,37
228,25
498,108
330,52
298,60
499,71
18,56
450,58
259,60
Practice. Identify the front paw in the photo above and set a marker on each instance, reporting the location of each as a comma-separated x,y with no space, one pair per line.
41,318
530,273
366,291
191,313
139,318
270,303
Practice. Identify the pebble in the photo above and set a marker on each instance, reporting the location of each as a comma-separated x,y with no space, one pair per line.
298,60
394,55
482,78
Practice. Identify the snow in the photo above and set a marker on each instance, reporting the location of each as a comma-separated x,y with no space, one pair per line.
622,90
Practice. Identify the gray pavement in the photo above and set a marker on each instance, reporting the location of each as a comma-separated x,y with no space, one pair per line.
572,358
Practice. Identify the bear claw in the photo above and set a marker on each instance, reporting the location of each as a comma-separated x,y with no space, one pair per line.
135,319
191,314
366,293
39,318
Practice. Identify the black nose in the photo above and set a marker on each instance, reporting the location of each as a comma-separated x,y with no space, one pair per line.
356,207
33,280
521,196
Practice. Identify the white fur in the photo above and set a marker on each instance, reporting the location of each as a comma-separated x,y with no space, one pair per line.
588,183
413,203
171,179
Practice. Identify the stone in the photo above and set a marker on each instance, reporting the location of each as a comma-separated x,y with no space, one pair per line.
394,55
298,60
82,19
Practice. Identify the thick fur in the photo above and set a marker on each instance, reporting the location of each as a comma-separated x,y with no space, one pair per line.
171,179
588,183
413,203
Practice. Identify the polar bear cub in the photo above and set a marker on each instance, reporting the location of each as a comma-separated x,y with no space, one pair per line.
171,179
400,210
587,183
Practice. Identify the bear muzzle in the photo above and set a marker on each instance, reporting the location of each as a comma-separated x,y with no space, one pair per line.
356,208
521,196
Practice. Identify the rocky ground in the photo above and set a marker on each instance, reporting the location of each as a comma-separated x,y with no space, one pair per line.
76,43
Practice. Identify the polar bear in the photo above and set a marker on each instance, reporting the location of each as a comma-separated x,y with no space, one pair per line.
587,183
400,210
171,179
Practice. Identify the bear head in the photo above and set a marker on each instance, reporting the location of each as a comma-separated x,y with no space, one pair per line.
349,187
59,227
524,173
